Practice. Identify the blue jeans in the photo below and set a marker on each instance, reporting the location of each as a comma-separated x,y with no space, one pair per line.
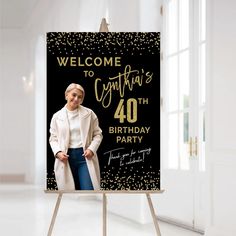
79,169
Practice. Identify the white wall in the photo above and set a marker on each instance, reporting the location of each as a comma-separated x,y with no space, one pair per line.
16,118
134,16
124,16
150,19
221,117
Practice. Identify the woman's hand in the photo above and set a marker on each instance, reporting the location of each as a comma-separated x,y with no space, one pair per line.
88,154
62,156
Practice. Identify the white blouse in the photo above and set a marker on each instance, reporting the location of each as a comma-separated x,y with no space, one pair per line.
75,134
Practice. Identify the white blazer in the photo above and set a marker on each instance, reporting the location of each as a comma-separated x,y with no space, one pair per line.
91,136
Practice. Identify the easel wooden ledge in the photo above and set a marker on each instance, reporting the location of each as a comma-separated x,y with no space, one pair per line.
104,192
104,28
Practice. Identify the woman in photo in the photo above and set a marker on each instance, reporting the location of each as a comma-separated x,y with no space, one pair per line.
75,136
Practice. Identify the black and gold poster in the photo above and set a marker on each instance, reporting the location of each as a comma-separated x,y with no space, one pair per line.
120,73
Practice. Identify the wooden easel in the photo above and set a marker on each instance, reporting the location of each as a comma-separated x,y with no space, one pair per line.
104,28
147,193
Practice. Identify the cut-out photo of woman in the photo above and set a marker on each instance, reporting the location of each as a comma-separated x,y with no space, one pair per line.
75,136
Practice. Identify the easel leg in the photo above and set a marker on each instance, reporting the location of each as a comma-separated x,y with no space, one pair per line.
55,214
104,214
153,214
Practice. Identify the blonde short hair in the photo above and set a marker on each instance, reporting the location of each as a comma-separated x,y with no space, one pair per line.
75,86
